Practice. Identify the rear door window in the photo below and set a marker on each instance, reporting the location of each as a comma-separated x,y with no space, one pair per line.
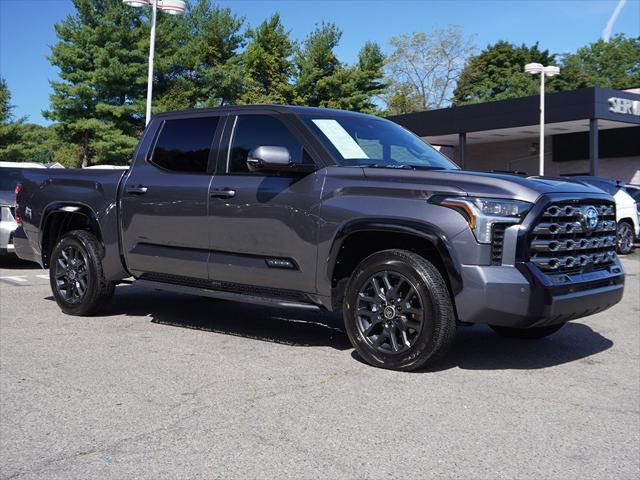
184,144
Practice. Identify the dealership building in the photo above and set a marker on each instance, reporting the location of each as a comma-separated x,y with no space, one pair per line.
591,131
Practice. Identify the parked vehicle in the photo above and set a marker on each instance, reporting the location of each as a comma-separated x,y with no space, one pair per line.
634,191
10,175
317,208
628,223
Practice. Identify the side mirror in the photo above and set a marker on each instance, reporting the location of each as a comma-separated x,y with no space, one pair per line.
268,158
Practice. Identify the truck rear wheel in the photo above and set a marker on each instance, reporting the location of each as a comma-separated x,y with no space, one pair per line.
76,275
532,333
398,312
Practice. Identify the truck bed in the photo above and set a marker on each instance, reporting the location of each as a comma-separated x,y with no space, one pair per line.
46,191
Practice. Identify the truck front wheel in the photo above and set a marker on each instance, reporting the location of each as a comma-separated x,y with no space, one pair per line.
531,333
76,275
398,311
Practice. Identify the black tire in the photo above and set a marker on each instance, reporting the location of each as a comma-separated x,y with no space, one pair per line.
624,237
76,275
423,322
529,333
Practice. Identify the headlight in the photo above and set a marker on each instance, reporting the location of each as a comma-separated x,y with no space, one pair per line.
483,213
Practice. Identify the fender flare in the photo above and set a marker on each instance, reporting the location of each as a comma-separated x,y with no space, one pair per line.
69,208
426,231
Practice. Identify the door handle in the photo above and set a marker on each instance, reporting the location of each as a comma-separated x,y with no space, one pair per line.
222,193
137,190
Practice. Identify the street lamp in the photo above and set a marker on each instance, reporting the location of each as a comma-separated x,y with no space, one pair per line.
548,71
172,7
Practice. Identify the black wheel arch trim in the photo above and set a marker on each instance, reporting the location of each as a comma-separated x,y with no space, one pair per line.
71,208
434,235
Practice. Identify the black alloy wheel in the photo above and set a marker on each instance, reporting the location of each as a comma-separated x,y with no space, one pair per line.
389,312
398,311
76,275
71,274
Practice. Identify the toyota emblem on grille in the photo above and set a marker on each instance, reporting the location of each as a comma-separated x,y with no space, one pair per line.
589,218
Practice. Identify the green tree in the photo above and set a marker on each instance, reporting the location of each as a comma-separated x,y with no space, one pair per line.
497,73
98,102
370,76
423,67
316,60
32,143
323,81
355,87
5,102
613,64
267,64
402,98
10,133
200,63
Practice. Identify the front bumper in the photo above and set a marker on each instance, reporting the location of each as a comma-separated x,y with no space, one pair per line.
515,292
521,296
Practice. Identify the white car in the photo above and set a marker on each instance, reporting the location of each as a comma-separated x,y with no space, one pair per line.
626,211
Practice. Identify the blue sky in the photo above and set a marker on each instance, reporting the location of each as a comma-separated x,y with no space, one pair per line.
26,29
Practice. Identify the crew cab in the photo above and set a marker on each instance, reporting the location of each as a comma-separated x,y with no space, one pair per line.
317,208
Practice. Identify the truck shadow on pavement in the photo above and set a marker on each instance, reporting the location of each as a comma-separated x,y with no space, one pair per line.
475,348
11,262
479,348
295,327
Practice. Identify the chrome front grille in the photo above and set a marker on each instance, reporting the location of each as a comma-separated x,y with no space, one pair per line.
563,241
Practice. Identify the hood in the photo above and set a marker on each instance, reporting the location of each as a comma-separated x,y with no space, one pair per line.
484,184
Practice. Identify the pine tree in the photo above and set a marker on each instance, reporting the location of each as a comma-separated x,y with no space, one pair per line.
314,61
10,134
5,102
99,100
267,64
199,61
324,81
354,87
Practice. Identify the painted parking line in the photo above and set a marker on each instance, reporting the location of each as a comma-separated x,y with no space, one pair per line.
23,280
15,279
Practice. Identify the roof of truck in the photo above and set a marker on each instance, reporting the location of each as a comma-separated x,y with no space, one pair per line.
295,109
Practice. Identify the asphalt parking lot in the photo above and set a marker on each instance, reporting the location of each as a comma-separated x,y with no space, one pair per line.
171,386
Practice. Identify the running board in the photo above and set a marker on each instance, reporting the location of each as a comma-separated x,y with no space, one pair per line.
222,295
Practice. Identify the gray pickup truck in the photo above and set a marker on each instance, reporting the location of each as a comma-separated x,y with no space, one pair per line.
327,209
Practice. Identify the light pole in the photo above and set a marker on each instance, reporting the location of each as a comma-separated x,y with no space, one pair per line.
548,71
172,7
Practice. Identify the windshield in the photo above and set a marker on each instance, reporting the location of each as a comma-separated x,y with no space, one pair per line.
634,192
367,141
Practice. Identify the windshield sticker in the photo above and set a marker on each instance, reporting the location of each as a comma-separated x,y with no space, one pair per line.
340,138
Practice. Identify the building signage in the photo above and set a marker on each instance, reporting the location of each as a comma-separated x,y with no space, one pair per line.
624,106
